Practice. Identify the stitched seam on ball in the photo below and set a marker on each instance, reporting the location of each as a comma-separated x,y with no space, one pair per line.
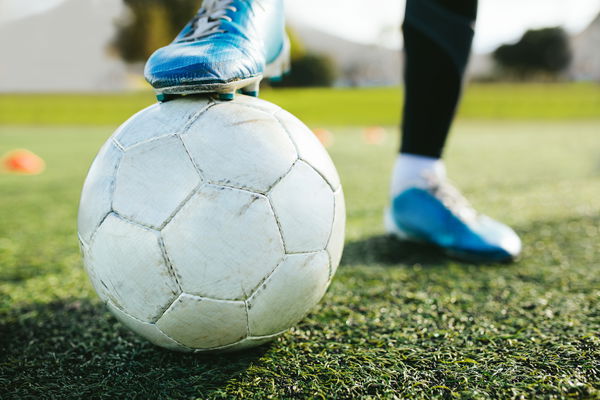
98,227
192,120
133,222
118,144
301,253
321,175
153,139
83,242
300,156
196,117
163,255
149,323
335,209
264,280
287,132
196,166
169,264
279,227
241,188
251,192
225,347
260,109
180,206
266,336
170,338
113,183
247,319
282,177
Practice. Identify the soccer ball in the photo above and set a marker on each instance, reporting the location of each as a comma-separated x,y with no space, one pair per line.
209,225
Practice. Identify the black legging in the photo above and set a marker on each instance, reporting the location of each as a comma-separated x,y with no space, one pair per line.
437,39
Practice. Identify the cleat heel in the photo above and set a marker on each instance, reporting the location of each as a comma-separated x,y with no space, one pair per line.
281,65
252,89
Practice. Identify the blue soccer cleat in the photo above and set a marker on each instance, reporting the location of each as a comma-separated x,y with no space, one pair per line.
229,45
441,216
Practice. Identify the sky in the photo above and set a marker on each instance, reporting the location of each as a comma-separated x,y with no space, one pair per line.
499,21
377,21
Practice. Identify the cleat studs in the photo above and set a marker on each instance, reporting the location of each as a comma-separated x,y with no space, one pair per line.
162,97
226,96
252,89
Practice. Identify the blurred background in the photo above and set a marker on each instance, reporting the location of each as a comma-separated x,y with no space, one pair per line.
531,59
101,45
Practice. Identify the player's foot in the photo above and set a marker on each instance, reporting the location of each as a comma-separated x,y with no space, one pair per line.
431,210
229,45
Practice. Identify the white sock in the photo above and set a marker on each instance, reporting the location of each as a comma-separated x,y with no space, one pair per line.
411,171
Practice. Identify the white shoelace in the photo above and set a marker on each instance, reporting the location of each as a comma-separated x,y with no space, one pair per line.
209,18
451,198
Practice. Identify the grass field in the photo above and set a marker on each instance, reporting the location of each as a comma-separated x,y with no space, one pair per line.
398,321
342,107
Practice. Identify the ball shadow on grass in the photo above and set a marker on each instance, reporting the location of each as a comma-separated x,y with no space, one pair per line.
76,349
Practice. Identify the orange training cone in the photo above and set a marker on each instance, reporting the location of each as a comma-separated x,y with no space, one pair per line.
324,136
374,135
23,162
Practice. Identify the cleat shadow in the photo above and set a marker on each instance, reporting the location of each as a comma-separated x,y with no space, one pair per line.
388,250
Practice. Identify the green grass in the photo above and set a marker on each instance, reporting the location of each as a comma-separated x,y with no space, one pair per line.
345,107
398,320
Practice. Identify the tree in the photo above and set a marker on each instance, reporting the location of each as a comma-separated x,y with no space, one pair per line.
149,25
538,51
297,47
308,69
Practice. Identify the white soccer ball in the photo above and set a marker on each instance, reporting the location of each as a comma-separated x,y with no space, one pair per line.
211,225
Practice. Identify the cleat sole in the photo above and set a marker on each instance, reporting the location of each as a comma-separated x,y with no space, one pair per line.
224,91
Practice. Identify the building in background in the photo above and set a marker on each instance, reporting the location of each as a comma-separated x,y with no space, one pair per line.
358,64
586,53
64,49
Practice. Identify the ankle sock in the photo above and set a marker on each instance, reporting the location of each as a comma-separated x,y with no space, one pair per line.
411,170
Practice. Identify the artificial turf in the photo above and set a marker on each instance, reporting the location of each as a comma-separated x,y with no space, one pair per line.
399,320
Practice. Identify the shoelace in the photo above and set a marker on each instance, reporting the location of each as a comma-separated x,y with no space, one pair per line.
451,198
209,18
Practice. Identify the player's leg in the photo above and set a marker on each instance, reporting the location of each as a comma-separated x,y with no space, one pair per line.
425,207
229,45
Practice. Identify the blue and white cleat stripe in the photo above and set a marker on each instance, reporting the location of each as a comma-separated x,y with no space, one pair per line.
229,45
439,215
